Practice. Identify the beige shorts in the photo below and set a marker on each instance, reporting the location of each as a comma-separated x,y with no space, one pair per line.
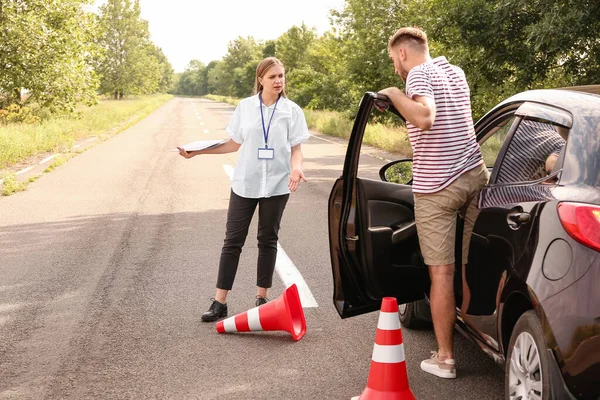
435,214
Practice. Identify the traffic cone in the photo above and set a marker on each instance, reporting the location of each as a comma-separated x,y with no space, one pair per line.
285,314
388,379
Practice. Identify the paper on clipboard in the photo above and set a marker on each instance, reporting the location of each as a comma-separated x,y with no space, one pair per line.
202,145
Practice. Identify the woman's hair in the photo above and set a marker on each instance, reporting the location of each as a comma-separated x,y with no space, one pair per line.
262,69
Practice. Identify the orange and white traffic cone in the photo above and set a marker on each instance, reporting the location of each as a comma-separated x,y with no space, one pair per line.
285,314
388,379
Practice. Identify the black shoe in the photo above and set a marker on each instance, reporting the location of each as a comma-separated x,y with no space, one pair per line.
216,310
260,301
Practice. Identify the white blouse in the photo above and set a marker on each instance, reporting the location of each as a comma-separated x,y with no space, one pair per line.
254,177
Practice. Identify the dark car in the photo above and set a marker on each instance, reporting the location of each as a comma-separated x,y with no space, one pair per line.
531,298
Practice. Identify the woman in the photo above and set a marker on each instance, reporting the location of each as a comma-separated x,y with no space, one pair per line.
267,129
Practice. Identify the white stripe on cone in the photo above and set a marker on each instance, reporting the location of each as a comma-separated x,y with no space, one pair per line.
388,321
254,320
388,354
229,324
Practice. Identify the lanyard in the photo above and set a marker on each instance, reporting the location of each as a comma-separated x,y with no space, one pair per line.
262,118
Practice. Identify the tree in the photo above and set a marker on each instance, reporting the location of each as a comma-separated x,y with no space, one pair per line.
364,28
506,46
238,71
293,45
322,81
131,63
45,48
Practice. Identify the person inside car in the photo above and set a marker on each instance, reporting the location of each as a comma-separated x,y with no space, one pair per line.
532,152
448,172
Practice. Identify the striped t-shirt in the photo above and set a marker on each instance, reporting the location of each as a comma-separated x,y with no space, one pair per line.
531,145
449,148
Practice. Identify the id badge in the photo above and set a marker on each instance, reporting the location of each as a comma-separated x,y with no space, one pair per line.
265,153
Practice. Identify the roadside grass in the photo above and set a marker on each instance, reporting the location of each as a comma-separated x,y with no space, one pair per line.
10,184
58,134
388,138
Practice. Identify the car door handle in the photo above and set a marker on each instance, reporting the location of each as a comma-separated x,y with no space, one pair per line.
516,218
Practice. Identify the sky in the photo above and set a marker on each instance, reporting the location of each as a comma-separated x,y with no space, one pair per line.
202,29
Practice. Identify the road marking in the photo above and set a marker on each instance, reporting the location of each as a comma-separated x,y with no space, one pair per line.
286,269
76,146
91,140
206,131
289,274
24,170
201,123
45,160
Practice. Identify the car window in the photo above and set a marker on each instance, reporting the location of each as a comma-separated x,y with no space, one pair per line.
491,145
532,152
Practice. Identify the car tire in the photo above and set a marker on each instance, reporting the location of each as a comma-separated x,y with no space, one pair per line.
527,368
408,316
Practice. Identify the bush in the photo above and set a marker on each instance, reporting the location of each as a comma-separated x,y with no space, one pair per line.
15,113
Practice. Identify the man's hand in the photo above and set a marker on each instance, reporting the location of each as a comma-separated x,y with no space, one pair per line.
295,177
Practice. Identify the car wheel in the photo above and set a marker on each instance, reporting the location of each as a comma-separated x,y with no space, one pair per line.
527,367
408,317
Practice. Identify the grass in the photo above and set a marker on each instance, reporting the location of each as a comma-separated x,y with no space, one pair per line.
388,138
58,134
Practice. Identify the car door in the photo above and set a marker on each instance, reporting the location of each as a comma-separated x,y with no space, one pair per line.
502,244
372,233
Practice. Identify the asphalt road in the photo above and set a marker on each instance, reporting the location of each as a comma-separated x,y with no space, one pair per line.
107,263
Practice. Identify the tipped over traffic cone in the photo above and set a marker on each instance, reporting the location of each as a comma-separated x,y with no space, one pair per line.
388,379
283,314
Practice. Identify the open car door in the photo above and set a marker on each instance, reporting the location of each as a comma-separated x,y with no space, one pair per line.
372,233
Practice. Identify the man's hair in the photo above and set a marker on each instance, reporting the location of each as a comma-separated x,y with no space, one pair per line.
411,36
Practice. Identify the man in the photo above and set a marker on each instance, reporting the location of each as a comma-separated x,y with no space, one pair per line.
448,172
532,152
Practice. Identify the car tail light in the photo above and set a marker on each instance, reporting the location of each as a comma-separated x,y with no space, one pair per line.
582,222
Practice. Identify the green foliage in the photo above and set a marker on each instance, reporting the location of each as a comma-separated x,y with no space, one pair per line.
16,113
10,185
504,47
130,63
507,46
46,49
399,173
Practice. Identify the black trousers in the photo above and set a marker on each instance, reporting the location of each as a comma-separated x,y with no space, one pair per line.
239,216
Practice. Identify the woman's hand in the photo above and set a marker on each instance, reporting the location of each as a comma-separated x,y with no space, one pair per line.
184,153
295,177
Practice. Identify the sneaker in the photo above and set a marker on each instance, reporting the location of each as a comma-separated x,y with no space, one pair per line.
260,301
442,368
215,311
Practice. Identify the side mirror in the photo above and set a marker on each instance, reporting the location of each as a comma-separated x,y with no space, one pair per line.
399,171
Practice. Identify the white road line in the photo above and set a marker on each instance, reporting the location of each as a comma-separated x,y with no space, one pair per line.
45,160
24,170
201,123
206,131
76,146
286,269
289,274
91,140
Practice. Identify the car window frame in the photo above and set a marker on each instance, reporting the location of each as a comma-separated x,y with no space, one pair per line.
530,111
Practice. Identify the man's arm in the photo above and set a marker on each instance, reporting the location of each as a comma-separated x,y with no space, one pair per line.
420,111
